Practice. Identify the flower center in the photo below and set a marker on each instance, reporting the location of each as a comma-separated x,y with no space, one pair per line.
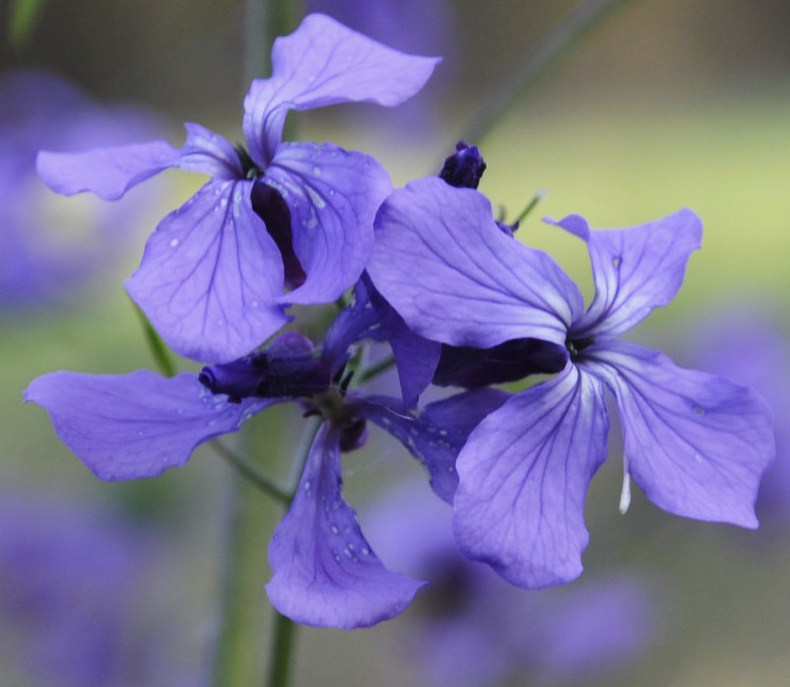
576,346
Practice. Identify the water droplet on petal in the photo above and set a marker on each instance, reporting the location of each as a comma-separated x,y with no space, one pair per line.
173,243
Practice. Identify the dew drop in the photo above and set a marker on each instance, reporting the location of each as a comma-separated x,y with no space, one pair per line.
317,171
616,262
173,243
307,485
699,410
335,530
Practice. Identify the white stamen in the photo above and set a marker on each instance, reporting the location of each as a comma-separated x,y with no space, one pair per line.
625,494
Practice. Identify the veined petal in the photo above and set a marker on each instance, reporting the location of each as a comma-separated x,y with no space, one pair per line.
436,435
325,573
444,265
333,196
694,442
523,479
136,425
634,269
209,153
325,63
107,172
210,276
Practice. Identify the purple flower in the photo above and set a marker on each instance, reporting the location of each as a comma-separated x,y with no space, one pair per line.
325,573
695,443
276,214
471,628
50,251
71,579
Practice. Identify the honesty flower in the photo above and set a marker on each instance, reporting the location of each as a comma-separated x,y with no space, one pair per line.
696,443
140,424
213,274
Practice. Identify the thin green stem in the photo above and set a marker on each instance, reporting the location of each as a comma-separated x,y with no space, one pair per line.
540,195
236,661
252,472
579,23
24,14
368,373
159,351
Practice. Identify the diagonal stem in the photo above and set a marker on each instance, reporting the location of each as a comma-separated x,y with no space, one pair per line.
579,23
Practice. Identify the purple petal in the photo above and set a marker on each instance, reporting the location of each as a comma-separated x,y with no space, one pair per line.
135,425
355,322
324,63
635,269
325,573
444,265
523,478
210,276
107,172
416,357
438,433
696,443
333,196
209,153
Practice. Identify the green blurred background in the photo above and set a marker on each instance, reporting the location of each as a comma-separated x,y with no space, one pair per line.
668,104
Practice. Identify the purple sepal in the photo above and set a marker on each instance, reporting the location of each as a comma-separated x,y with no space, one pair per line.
332,196
444,265
324,63
696,443
135,425
436,435
287,368
634,269
325,573
210,276
523,479
107,172
508,362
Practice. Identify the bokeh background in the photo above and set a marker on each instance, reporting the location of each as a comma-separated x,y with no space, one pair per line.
666,104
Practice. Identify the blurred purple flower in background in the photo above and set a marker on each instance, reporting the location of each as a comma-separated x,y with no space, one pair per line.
423,27
73,586
747,343
469,627
50,248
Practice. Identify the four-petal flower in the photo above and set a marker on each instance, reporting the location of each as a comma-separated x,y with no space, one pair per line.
696,443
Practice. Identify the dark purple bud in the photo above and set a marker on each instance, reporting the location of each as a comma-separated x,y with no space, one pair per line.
270,206
353,433
286,369
465,168
510,361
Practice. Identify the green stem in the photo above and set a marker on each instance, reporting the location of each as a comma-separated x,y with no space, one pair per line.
237,653
585,17
159,351
251,472
284,634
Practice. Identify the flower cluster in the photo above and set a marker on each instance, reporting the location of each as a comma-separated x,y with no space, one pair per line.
459,301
